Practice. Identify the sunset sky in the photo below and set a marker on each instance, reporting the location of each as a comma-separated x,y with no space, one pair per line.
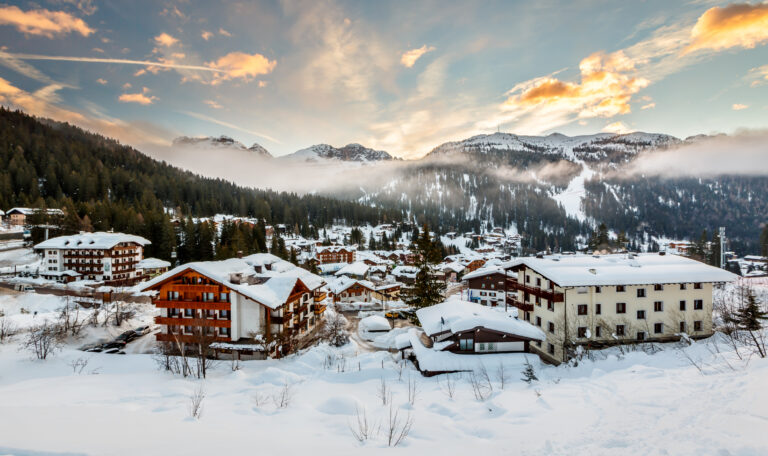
402,76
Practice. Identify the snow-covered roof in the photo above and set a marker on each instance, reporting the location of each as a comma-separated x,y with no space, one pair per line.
405,271
453,266
273,292
358,268
344,282
623,269
30,211
456,316
482,272
375,323
153,263
334,248
99,240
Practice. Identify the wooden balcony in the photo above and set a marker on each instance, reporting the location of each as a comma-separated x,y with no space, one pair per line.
300,309
320,297
193,322
318,308
547,294
181,304
186,338
193,288
519,304
285,318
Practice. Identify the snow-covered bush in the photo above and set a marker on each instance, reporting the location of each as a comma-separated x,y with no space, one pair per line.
335,331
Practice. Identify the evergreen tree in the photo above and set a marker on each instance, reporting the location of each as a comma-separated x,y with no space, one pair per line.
750,317
426,290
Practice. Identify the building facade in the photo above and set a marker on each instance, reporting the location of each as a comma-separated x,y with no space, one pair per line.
111,258
595,301
335,254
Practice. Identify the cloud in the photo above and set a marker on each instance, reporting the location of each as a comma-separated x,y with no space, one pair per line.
739,106
224,32
736,25
619,128
43,22
140,98
409,58
161,63
102,81
127,86
85,6
745,153
648,106
206,35
606,88
39,103
213,104
241,65
165,39
758,76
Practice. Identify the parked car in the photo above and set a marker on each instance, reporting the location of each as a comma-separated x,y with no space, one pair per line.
112,351
127,336
142,330
119,344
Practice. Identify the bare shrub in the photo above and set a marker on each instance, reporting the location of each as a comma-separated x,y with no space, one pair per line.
69,319
78,365
43,340
284,396
196,402
478,387
384,392
448,385
398,427
362,428
259,399
8,329
501,375
413,390
335,330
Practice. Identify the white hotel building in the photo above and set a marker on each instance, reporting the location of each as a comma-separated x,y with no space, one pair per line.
600,300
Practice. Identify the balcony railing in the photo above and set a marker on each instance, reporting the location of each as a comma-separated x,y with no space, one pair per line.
173,321
547,294
187,338
520,305
318,308
183,304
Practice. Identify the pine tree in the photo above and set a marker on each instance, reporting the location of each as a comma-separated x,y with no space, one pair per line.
750,317
529,375
426,289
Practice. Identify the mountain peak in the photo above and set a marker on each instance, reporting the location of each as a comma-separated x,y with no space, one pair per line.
353,152
219,142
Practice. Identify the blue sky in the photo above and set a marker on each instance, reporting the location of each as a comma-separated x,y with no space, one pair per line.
398,75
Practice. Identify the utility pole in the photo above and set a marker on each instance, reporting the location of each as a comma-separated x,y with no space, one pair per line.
722,247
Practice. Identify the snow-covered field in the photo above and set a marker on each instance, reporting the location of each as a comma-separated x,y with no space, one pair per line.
625,403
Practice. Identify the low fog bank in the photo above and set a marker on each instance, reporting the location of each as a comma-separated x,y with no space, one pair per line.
744,153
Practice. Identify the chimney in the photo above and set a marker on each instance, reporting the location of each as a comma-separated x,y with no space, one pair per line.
239,253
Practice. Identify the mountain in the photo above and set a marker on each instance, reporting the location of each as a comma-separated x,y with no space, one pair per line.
211,142
348,153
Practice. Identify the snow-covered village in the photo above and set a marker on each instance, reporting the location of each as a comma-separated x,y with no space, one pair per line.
348,227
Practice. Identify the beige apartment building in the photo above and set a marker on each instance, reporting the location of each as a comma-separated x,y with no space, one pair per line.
600,300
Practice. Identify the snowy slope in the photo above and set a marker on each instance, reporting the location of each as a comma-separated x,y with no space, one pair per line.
350,153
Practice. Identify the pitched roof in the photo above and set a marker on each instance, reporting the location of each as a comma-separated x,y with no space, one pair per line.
456,316
85,241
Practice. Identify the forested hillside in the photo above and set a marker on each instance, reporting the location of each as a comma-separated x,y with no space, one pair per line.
105,185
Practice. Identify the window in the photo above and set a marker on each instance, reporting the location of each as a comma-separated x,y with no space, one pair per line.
598,331
620,288
682,326
188,329
527,279
598,309
224,314
658,328
582,332
482,347
551,327
682,286
538,321
658,306
641,335
582,309
598,289
189,313
224,332
621,307
551,306
538,343
698,304
641,315
210,313
551,349
697,286
619,330
538,281
466,344
224,297
697,325
682,305
658,287
491,346
641,292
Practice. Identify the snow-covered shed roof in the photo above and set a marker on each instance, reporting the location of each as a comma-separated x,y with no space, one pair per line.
456,316
405,271
272,293
374,323
482,272
153,263
623,269
358,268
84,241
334,248
344,282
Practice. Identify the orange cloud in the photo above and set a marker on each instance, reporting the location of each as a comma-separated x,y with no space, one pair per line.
606,88
166,40
619,128
213,104
739,106
409,58
736,25
140,98
648,106
43,22
206,35
102,81
241,65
